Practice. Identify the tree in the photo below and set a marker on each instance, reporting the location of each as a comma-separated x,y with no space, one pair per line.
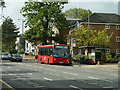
9,34
95,38
77,13
2,5
39,18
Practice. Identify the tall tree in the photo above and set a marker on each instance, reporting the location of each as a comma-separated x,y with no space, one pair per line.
39,18
93,38
9,34
77,13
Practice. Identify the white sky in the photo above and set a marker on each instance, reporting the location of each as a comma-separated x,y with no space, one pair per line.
100,6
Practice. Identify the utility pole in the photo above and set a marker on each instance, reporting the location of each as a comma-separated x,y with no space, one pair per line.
88,30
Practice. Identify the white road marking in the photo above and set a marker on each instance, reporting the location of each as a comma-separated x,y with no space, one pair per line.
30,83
11,74
41,86
92,83
37,67
30,73
74,74
71,73
68,68
114,75
51,73
36,70
73,86
66,72
21,78
21,74
17,69
93,78
18,76
108,87
71,78
48,79
108,80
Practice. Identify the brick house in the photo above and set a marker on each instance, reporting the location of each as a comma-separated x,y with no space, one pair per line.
111,22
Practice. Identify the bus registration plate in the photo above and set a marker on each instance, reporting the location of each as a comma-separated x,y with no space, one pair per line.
60,62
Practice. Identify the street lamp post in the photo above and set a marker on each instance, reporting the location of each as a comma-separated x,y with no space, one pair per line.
22,40
22,25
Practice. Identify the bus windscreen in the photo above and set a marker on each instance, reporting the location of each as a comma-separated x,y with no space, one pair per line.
61,51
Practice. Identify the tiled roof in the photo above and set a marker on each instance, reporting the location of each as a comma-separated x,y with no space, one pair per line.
72,21
104,18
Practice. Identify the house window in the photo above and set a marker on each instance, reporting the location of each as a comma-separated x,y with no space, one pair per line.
108,51
79,51
107,26
117,39
117,51
117,26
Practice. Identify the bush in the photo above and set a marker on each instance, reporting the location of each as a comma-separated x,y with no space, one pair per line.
108,56
21,52
13,51
110,60
113,54
31,54
77,57
36,56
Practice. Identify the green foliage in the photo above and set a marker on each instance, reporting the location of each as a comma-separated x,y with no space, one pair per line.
39,17
21,52
13,51
94,38
108,56
31,54
9,34
2,4
114,60
77,57
59,39
77,13
113,54
36,56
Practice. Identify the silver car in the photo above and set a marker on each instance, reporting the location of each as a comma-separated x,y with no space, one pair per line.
5,56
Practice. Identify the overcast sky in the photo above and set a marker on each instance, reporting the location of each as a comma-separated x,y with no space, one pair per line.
103,6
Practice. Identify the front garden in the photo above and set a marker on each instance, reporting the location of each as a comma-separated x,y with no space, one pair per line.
101,57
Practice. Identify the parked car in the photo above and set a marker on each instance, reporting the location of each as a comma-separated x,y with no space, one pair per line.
5,56
16,57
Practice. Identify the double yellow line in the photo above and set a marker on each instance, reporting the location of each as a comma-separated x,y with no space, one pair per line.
7,84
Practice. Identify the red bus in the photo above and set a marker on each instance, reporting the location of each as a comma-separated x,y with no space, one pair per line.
53,54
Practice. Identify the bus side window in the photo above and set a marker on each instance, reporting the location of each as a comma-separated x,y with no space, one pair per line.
51,51
40,51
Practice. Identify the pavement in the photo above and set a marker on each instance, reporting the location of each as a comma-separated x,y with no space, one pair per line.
112,67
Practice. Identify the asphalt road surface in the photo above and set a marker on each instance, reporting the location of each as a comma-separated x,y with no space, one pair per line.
27,75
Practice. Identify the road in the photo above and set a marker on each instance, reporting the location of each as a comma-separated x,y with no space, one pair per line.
43,76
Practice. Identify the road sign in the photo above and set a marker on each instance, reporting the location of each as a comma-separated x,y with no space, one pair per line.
22,49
